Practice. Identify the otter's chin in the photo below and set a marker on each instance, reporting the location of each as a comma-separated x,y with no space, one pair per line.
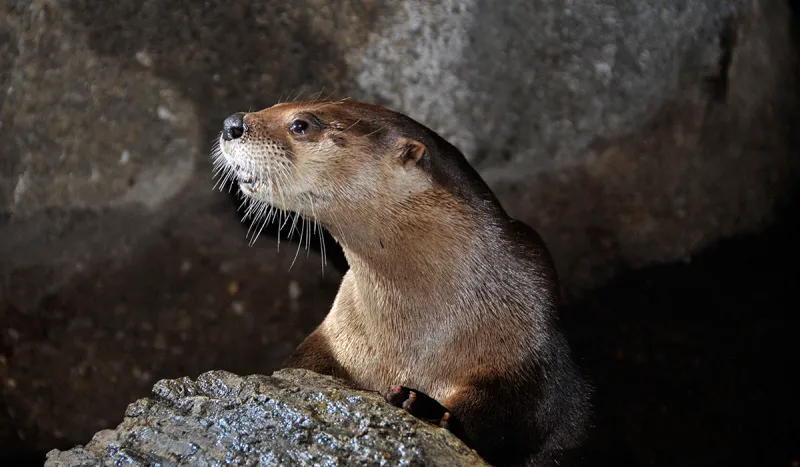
253,187
249,183
258,190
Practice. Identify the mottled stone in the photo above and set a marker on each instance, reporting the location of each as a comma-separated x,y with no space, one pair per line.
293,417
612,127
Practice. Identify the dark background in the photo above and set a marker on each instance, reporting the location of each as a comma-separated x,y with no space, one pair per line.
653,144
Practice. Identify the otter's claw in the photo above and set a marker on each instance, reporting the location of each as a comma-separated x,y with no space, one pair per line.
419,405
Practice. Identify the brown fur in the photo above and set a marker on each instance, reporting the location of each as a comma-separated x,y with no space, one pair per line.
445,295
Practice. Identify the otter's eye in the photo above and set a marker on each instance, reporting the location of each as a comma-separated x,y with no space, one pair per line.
299,127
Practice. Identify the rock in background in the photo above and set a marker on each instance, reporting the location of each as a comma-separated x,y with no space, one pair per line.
629,133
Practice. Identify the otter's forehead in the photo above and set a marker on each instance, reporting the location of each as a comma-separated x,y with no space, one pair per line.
334,108
328,110
356,117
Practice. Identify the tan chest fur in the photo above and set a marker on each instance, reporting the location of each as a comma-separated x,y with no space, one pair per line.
435,356
377,358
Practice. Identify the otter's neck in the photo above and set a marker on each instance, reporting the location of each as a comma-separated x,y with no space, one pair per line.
416,256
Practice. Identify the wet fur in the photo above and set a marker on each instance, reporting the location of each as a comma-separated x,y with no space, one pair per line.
446,294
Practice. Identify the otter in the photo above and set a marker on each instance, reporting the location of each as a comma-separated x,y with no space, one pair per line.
450,306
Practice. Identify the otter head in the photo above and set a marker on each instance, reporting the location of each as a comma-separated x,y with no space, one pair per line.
335,162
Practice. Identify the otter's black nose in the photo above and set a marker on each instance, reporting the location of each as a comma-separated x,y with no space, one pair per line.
233,126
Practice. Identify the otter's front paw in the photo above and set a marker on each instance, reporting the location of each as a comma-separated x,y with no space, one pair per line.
419,405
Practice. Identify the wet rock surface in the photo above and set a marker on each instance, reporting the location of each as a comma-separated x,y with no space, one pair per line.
293,417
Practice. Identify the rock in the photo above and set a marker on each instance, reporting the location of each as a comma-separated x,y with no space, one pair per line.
124,326
294,417
81,182
106,195
611,127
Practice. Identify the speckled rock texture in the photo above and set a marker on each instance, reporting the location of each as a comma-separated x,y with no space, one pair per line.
294,417
628,133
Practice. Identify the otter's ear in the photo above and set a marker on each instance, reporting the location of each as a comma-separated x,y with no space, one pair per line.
411,151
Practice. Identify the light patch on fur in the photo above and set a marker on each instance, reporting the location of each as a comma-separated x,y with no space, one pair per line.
263,169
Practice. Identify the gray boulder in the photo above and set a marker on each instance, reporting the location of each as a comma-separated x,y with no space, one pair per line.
294,417
628,133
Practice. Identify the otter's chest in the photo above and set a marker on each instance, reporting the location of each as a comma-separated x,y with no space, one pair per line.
378,356
378,367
